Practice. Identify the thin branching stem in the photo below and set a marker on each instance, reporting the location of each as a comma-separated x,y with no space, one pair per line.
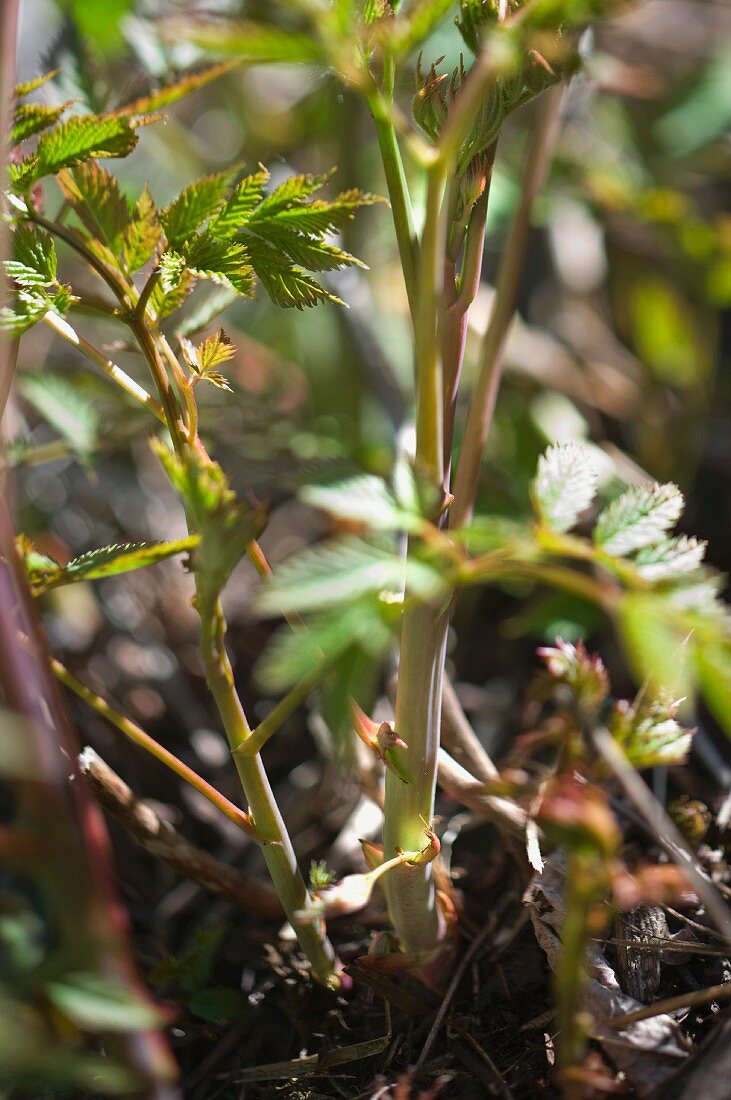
140,737
63,329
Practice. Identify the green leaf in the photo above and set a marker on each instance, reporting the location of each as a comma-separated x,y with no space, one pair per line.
22,90
227,526
292,654
713,668
308,252
285,283
564,486
94,195
164,302
210,258
171,268
321,216
32,118
245,197
253,42
365,500
81,138
648,731
108,561
171,93
34,262
336,572
64,407
655,644
195,204
418,25
204,360
123,558
670,559
142,234
99,1004
30,305
290,193
638,518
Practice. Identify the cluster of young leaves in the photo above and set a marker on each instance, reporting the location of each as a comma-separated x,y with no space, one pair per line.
226,525
674,625
665,601
351,587
232,232
44,572
646,727
238,233
34,270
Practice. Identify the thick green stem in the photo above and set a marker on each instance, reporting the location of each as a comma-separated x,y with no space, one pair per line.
409,807
398,193
276,844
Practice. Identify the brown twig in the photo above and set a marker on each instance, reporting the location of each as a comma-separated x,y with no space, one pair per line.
459,738
672,1004
458,782
161,840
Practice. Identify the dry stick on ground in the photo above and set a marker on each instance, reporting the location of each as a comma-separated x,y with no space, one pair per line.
672,1004
161,840
458,782
459,738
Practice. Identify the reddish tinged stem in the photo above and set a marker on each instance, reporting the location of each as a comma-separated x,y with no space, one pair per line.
482,405
75,871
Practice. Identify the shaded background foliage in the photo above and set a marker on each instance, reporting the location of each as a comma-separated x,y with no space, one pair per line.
623,337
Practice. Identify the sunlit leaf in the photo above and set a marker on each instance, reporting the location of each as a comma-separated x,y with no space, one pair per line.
94,195
59,402
365,499
195,204
336,572
34,262
638,518
247,41
564,486
171,93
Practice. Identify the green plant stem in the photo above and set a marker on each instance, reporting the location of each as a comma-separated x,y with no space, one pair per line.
455,310
165,391
429,401
398,193
410,806
63,329
276,844
281,712
135,733
114,282
482,405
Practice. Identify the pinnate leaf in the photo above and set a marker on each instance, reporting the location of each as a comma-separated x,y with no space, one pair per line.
195,204
244,199
336,572
253,42
83,137
171,93
94,194
142,234
22,90
365,499
564,486
670,559
32,118
34,262
226,525
638,518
